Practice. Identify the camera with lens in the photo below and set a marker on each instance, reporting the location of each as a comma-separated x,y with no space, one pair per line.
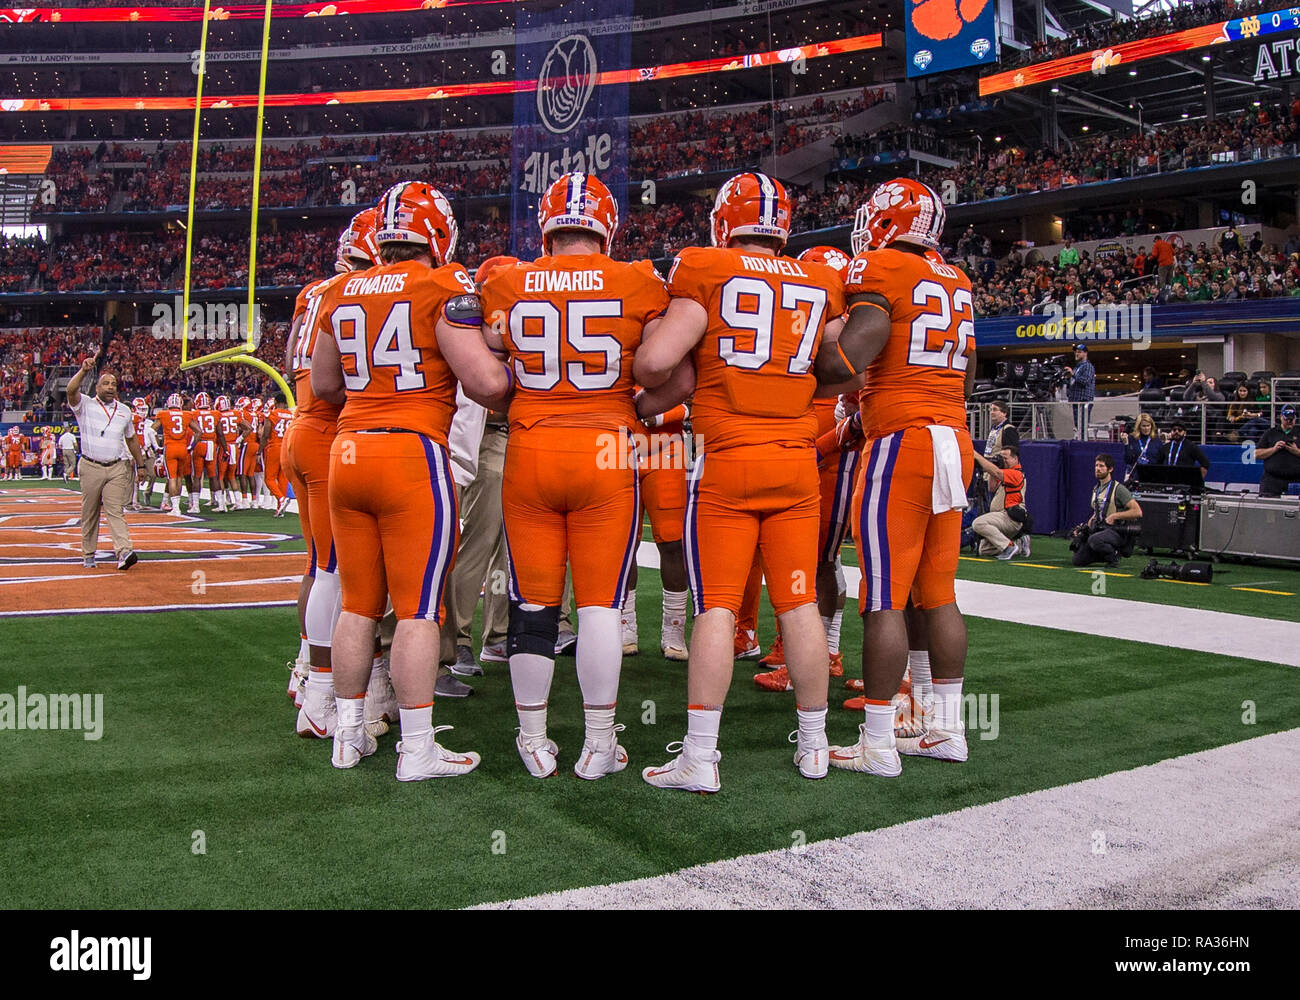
1039,379
1190,572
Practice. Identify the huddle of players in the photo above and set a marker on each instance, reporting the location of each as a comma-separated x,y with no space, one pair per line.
750,338
236,447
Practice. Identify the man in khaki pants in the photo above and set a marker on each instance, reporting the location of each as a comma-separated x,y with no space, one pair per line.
107,437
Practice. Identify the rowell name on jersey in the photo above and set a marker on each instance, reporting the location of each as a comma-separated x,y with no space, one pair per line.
564,281
773,265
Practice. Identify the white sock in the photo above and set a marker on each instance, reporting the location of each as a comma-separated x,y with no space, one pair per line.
530,676
702,725
600,723
322,682
833,631
303,651
600,655
416,723
352,712
812,725
880,724
947,705
918,666
675,607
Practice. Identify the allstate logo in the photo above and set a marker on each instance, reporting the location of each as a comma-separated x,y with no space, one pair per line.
923,59
566,83
980,47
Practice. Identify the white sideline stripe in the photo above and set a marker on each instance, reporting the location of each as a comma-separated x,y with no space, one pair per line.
1264,639
1224,836
147,607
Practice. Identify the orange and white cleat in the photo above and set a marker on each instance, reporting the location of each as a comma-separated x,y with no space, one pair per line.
837,665
776,655
774,680
746,645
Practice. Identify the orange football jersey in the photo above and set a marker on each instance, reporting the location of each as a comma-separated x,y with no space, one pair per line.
207,423
754,380
280,423
571,325
313,412
175,425
920,376
383,321
228,421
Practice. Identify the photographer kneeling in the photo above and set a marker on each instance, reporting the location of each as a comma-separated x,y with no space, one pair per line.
1007,517
1112,530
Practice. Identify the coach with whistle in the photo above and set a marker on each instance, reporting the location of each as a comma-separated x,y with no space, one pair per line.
107,438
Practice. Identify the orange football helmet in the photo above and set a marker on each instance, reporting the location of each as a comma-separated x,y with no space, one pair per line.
750,204
491,266
242,403
174,401
579,201
837,260
223,403
140,405
415,212
902,210
357,246
203,401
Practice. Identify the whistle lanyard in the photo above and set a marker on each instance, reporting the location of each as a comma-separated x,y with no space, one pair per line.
108,417
1147,444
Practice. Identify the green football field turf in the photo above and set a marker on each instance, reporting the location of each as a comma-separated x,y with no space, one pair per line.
198,735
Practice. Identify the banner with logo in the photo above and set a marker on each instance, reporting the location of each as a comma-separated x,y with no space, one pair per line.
563,120
944,35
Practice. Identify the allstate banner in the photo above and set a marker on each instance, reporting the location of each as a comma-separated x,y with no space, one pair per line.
565,120
944,35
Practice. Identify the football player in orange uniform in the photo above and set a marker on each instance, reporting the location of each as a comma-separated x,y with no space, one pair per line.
177,426
391,345
233,426
753,323
570,323
15,445
275,421
207,448
911,330
836,468
144,433
306,459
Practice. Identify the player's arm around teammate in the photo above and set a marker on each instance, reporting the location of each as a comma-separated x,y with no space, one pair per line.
395,340
753,322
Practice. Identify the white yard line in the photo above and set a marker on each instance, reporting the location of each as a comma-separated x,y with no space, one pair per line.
1264,639
1224,832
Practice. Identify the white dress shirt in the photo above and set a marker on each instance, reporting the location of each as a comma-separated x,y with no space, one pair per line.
104,428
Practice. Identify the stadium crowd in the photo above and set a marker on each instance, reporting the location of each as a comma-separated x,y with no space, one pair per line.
1117,31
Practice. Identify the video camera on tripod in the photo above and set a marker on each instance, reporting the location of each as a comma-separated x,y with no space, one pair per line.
1038,379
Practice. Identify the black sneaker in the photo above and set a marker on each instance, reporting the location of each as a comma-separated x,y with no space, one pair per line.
465,665
128,560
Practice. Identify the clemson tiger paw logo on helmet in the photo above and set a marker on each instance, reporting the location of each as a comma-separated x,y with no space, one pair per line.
888,196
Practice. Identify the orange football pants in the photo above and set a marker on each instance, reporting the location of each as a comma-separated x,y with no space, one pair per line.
307,461
562,506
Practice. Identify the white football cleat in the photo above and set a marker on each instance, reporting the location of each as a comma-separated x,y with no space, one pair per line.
937,743
381,702
672,640
882,760
630,647
297,674
350,747
538,755
601,757
429,759
319,716
691,771
813,757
